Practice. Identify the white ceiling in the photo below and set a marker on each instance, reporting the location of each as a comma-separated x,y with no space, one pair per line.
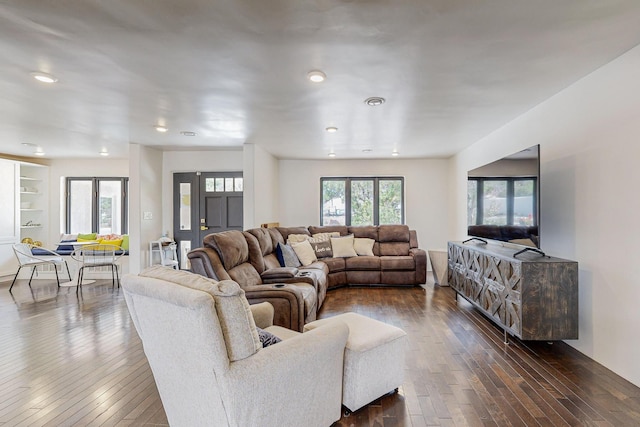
234,71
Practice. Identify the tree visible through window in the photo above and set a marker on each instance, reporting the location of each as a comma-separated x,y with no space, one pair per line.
97,205
362,201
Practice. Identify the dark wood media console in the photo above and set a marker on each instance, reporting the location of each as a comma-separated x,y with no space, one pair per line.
532,297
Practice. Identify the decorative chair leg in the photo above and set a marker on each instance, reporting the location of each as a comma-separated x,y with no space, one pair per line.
35,267
14,279
55,268
67,267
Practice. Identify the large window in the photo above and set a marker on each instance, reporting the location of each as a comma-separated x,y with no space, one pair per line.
362,201
97,205
502,201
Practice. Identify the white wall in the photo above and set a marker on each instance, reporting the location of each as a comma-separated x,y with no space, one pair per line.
261,186
589,135
192,161
425,182
145,203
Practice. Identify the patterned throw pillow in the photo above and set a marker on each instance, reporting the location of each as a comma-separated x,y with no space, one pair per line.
322,248
286,256
267,338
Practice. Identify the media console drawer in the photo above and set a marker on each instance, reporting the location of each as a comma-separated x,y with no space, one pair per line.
532,297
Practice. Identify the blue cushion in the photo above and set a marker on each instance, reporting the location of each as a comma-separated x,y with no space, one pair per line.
40,252
65,247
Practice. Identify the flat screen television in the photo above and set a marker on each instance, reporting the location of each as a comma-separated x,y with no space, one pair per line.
503,199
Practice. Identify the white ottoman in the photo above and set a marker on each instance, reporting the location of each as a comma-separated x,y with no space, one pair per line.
373,358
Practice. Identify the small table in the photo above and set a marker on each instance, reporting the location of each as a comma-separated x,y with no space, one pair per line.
74,280
439,266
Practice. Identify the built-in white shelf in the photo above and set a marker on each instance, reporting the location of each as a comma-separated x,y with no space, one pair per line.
28,178
30,192
30,226
30,210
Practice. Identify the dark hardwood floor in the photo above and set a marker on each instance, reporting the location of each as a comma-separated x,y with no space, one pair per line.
77,361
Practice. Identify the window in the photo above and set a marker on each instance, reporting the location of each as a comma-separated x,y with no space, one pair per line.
502,201
97,205
362,201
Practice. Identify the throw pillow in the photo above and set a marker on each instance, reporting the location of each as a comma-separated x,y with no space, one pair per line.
86,237
292,239
319,237
343,247
267,338
321,248
305,252
363,246
111,242
125,242
286,256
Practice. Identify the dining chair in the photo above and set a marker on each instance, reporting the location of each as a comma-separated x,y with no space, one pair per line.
96,256
26,258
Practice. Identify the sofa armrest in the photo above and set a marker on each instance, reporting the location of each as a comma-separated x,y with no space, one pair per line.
313,361
279,273
287,302
420,258
262,314
200,259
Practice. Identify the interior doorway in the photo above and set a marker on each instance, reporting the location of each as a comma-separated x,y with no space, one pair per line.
204,203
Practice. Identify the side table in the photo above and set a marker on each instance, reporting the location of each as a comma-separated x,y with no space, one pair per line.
439,267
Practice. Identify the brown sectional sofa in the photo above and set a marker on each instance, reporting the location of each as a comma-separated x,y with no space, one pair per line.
250,259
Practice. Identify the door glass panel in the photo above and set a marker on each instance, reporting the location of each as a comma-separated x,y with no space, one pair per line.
362,202
237,184
495,202
80,198
110,208
209,185
390,201
228,184
185,204
219,185
333,202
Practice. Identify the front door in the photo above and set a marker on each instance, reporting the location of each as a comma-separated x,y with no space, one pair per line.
220,202
204,203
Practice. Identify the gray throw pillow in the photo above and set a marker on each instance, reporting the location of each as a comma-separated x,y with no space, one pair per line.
287,256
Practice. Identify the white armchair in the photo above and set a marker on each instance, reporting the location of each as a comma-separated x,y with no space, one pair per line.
200,340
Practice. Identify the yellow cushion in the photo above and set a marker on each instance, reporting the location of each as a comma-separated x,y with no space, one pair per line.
87,240
111,242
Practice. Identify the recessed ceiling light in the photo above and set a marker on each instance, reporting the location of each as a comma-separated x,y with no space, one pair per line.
104,153
39,153
316,76
395,153
187,133
332,154
44,77
367,150
161,128
332,129
29,144
374,101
